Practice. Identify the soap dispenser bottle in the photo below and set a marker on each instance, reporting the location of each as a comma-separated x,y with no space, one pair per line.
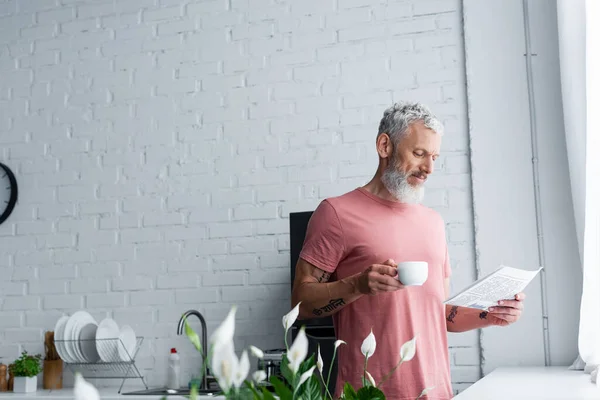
173,370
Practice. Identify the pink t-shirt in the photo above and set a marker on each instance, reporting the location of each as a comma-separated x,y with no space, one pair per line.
348,233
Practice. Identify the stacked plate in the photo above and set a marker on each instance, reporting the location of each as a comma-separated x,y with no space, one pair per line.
80,339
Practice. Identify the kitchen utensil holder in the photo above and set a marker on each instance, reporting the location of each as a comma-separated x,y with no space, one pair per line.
117,369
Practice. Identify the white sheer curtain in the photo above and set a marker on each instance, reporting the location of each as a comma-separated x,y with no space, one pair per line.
579,49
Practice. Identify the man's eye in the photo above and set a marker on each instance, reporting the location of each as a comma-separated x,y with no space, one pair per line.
418,154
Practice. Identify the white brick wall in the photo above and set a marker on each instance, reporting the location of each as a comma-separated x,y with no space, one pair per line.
160,146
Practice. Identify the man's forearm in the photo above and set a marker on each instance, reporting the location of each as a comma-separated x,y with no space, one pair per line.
324,299
461,319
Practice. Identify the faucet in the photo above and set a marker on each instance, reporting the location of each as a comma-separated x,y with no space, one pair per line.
180,326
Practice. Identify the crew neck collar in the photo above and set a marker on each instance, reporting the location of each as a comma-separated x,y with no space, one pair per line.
389,203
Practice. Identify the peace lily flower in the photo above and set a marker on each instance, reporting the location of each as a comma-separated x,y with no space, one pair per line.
224,365
256,352
231,371
259,375
304,377
337,344
370,378
594,376
369,345
291,317
242,369
224,333
425,391
408,350
319,360
84,390
298,351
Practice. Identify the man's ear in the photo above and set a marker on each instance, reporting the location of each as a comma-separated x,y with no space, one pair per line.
384,145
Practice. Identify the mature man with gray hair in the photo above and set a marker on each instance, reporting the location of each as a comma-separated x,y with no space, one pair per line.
348,267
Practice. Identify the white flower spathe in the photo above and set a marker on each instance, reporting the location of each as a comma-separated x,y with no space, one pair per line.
370,378
425,392
594,376
256,352
291,317
242,369
304,377
408,350
298,350
319,359
224,364
84,390
225,332
368,345
259,375
338,343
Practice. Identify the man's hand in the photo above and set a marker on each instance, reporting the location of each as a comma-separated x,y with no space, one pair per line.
507,311
379,278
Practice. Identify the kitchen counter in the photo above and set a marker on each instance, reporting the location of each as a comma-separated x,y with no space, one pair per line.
532,383
515,383
105,394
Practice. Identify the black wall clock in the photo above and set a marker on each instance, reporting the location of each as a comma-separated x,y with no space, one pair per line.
8,192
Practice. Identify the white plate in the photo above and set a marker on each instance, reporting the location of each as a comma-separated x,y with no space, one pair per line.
59,330
106,340
68,337
127,343
76,322
87,342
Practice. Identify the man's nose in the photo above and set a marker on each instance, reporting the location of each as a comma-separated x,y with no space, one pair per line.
428,166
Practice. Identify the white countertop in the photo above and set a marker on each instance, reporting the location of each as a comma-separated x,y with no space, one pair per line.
532,383
514,383
105,394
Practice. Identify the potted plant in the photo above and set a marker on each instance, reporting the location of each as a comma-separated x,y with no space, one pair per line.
304,377
25,370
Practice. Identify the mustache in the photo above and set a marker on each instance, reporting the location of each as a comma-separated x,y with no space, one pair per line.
421,175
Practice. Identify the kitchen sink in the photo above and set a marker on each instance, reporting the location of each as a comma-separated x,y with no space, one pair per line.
173,392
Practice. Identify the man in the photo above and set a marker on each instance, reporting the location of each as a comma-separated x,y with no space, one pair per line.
347,266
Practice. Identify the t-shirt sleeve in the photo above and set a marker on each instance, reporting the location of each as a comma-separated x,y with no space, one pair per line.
324,242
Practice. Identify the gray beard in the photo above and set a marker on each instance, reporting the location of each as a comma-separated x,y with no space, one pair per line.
397,184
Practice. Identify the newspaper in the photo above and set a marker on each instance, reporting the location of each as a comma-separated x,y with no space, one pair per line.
502,284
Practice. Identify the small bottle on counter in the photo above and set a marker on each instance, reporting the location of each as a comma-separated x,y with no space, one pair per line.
3,378
173,381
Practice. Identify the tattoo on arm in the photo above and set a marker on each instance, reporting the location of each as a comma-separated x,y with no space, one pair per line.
332,305
324,277
483,315
453,312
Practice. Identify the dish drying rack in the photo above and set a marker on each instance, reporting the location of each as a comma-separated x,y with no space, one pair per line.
116,368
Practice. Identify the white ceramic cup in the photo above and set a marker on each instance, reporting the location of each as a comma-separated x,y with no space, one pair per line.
413,273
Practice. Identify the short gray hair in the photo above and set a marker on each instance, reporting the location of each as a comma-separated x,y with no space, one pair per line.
398,118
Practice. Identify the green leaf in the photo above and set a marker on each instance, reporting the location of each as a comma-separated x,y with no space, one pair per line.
250,386
193,392
370,393
313,389
349,392
281,389
244,393
286,372
192,336
310,390
267,395
257,395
